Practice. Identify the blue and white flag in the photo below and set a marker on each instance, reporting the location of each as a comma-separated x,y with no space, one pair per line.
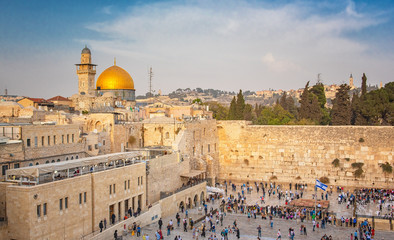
321,185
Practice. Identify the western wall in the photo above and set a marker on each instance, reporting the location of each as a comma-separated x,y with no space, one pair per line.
305,153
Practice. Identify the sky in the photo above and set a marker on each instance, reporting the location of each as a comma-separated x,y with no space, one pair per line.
228,45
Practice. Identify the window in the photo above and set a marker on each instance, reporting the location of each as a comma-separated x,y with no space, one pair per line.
61,204
125,186
128,184
37,163
28,142
68,138
194,151
44,209
4,168
202,150
62,138
66,202
80,198
138,181
49,140
72,157
89,147
103,142
141,179
54,140
42,141
30,164
95,146
35,141
209,147
39,210
16,165
76,157
72,138
204,131
66,158
53,161
114,189
110,189
58,160
84,197
47,162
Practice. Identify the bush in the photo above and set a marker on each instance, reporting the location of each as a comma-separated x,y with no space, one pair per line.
358,173
273,177
357,165
324,180
386,167
246,161
361,140
335,163
298,178
132,140
347,159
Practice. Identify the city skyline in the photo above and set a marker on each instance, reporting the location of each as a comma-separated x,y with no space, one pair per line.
226,45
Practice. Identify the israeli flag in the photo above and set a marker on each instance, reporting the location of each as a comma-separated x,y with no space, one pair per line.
321,185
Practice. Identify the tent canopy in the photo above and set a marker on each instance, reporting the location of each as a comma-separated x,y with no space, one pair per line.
37,170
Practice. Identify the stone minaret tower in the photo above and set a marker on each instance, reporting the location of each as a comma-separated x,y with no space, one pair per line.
351,81
86,72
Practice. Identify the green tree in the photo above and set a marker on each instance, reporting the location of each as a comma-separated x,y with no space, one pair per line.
341,109
240,106
233,110
318,90
363,85
248,112
275,115
219,112
304,101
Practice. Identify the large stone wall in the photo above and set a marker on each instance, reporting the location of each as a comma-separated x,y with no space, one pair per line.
304,153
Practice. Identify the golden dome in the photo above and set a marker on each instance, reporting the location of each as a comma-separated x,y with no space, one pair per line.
114,78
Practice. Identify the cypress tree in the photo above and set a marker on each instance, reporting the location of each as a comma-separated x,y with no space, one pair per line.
233,109
283,101
341,109
304,101
364,85
240,106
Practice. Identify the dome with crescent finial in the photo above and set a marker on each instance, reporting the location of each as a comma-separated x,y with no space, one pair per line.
86,50
114,78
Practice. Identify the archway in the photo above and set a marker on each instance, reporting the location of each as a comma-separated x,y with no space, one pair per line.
53,161
189,202
58,160
195,201
47,162
98,126
181,206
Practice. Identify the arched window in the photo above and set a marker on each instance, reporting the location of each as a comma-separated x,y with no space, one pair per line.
53,161
47,162
37,163
58,160
76,157
30,164
66,158
72,158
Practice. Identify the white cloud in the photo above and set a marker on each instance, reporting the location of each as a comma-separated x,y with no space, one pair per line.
232,45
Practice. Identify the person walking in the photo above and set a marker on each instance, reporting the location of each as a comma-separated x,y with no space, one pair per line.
116,235
279,235
138,231
101,225
160,223
259,231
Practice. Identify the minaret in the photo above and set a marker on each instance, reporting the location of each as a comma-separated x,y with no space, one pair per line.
86,72
351,81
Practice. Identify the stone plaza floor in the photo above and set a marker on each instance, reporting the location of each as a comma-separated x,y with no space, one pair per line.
248,226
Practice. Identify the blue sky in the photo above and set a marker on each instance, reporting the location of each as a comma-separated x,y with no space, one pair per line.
228,45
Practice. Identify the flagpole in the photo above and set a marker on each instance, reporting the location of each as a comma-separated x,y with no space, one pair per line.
315,200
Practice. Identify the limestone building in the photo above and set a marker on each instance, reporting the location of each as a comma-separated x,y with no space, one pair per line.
114,87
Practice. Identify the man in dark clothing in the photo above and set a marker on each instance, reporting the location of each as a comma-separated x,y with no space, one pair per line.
160,223
113,218
101,225
116,234
238,234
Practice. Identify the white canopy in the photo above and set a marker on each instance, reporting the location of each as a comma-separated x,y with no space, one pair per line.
215,190
35,171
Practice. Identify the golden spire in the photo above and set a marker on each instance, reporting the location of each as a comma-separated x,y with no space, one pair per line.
114,61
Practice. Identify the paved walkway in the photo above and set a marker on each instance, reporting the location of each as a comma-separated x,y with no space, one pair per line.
248,226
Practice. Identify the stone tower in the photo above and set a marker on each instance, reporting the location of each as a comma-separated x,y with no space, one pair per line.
351,81
86,72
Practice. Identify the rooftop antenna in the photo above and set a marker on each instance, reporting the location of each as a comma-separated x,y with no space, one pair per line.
150,81
318,78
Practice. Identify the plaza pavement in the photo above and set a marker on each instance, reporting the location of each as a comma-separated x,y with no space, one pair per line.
248,226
